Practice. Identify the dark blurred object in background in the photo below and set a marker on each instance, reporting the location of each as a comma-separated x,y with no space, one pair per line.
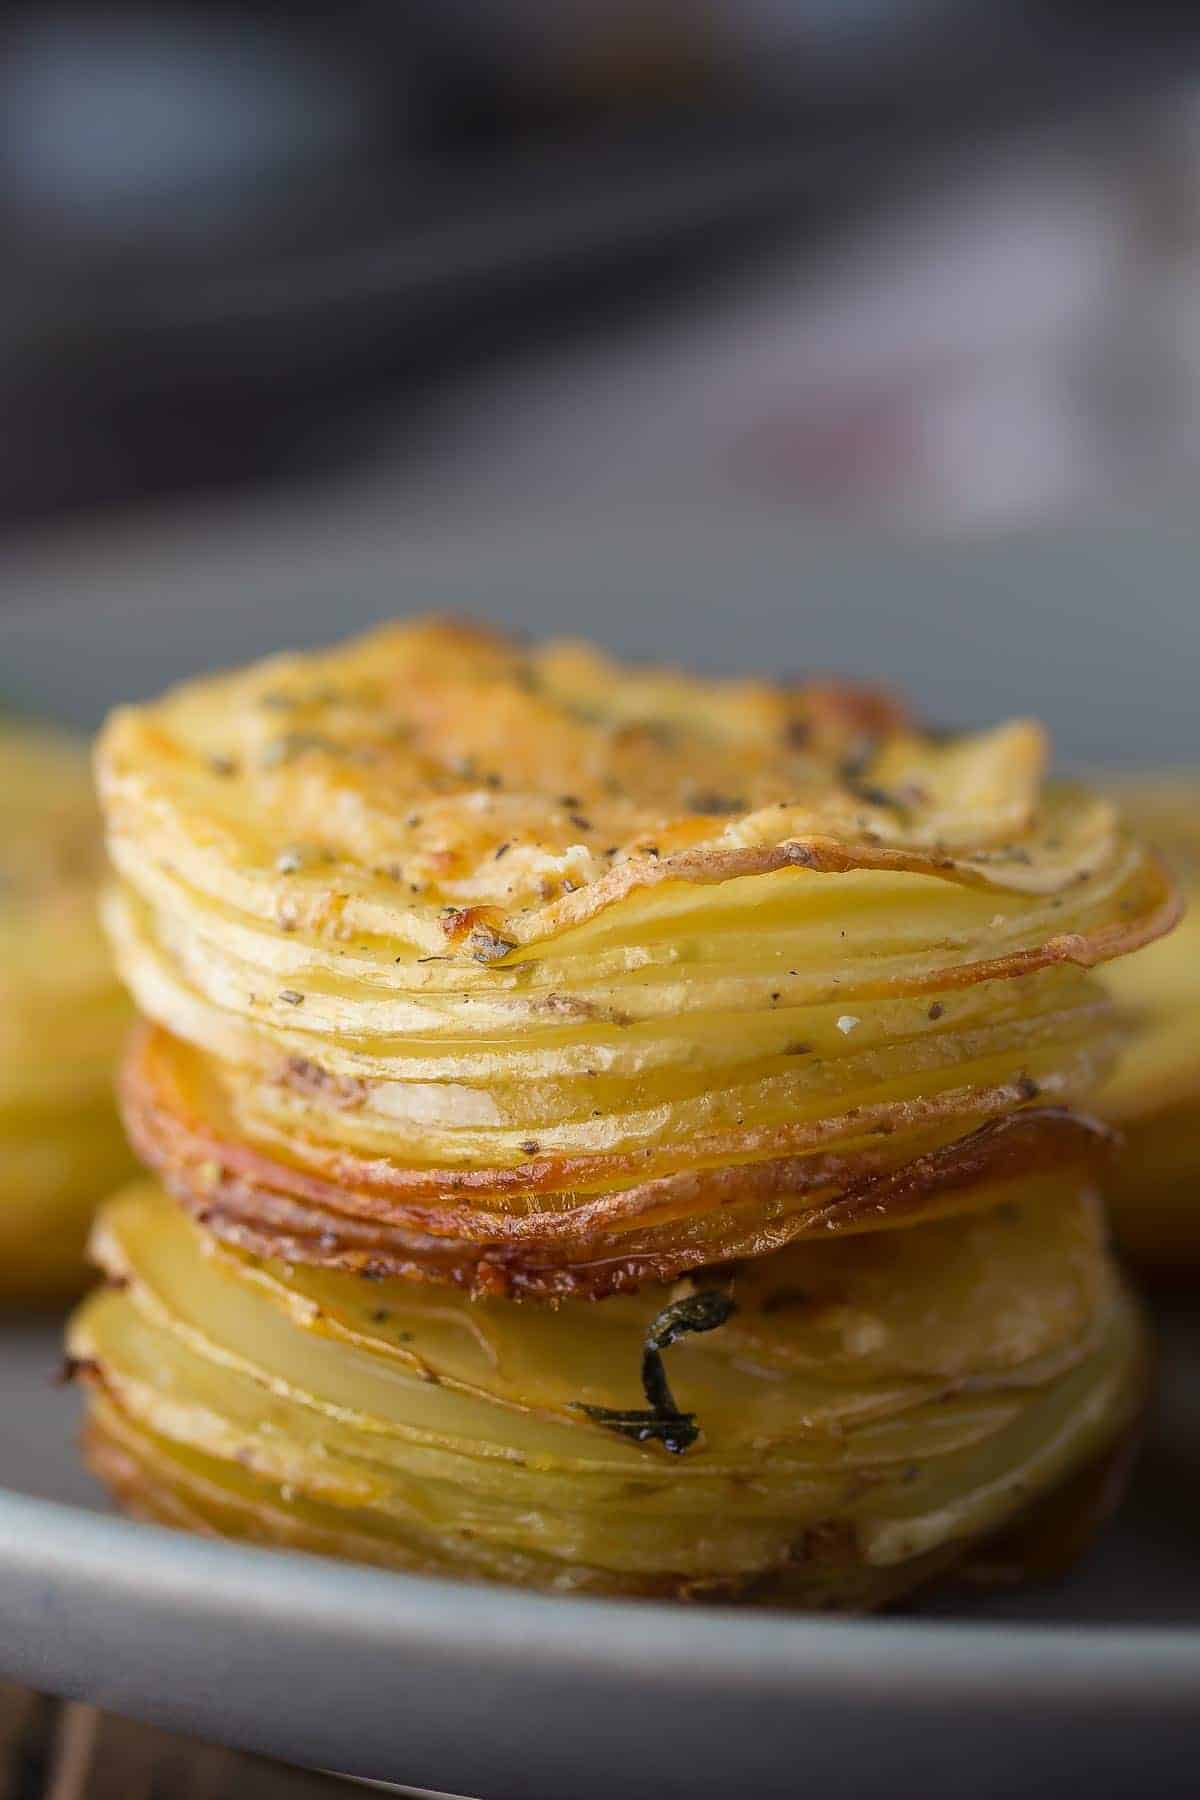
243,246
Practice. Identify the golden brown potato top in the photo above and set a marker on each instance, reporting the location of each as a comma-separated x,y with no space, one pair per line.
471,795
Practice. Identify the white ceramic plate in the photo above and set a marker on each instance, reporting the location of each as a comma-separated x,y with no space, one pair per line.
1095,1684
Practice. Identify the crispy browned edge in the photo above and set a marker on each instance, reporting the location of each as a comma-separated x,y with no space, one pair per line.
261,1204
377,1217
829,856
144,1066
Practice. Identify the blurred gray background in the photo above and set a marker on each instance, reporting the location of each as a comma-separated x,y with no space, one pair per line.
789,336
1095,629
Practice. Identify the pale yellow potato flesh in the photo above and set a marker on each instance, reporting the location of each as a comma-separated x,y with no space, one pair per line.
902,1398
62,1017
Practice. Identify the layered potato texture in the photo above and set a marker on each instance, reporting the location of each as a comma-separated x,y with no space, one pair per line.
482,983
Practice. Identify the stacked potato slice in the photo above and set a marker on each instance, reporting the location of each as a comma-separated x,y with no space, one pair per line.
483,984
1154,1096
62,1017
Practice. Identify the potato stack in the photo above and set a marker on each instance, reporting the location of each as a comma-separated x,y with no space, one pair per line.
62,1018
617,1132
1154,1096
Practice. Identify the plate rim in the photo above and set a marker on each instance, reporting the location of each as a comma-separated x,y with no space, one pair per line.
1012,1663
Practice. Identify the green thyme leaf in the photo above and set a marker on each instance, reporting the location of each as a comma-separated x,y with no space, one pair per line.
662,1421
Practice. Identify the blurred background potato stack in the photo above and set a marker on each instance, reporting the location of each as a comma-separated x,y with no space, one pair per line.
62,1017
621,1131
1153,1098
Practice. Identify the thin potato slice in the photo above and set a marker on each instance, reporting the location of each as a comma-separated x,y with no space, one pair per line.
900,1408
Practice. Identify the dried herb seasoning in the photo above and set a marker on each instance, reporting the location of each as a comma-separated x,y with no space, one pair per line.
488,946
712,800
870,795
293,744
855,764
661,1421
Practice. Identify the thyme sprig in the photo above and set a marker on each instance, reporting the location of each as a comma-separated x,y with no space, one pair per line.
661,1421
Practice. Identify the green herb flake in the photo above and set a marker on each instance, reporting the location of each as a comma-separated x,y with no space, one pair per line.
661,1421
